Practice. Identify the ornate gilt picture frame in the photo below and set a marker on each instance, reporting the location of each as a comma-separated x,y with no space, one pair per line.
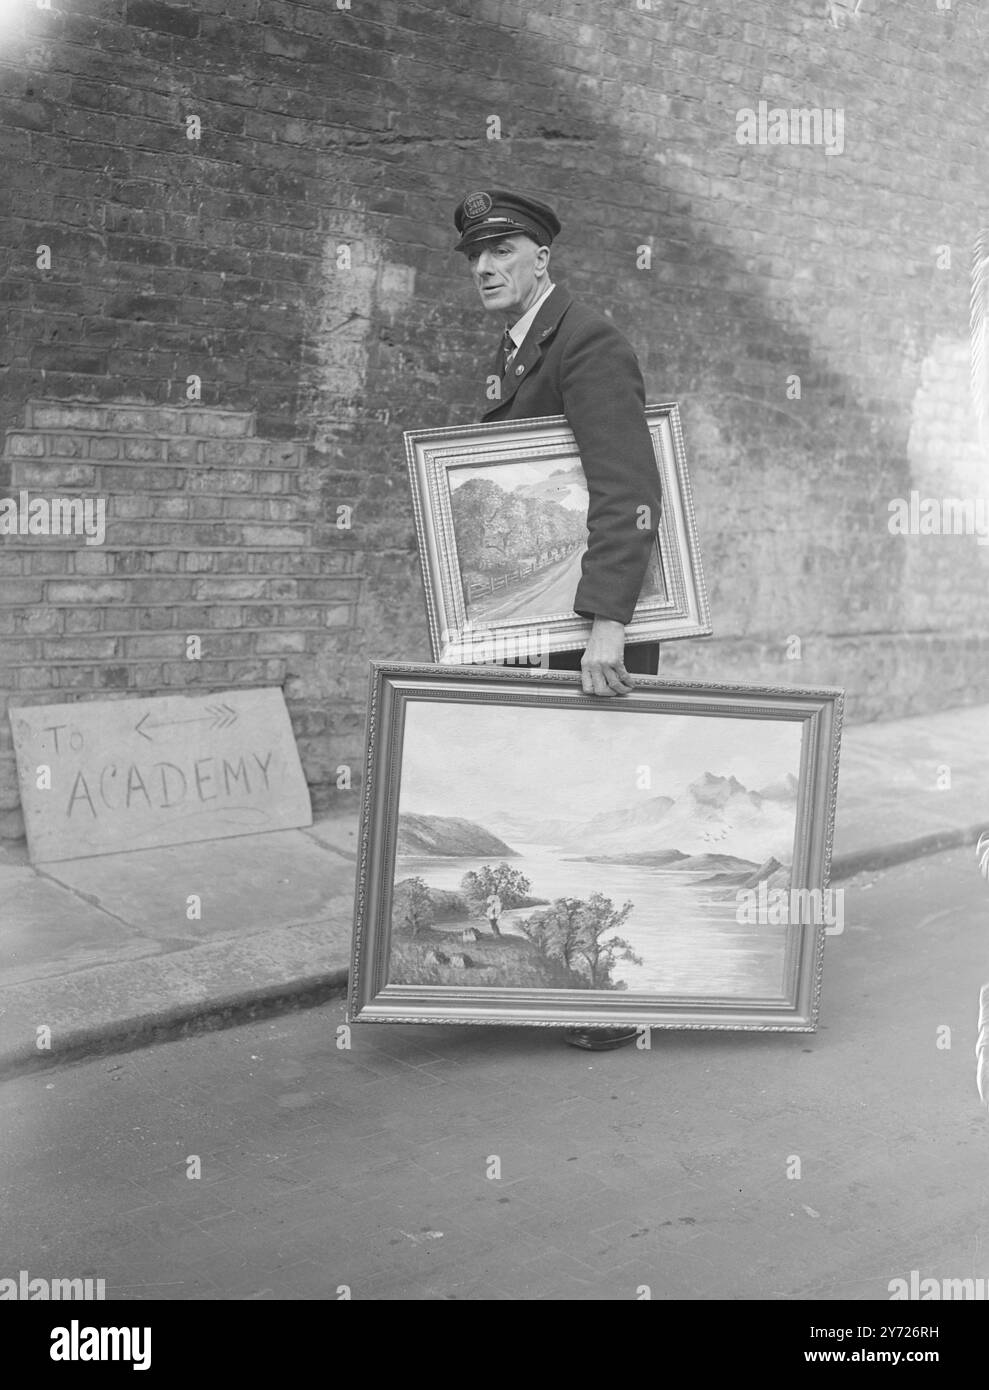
530,855
500,513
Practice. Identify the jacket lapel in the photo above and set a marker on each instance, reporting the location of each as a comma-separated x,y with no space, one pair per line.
527,359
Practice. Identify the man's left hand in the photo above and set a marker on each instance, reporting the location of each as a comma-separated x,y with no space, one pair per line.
602,667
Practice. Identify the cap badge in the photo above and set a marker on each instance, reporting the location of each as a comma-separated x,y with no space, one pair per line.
477,204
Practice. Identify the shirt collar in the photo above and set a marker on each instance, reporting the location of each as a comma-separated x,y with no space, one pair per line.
518,330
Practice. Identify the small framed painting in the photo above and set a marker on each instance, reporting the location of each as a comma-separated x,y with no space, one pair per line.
533,855
501,522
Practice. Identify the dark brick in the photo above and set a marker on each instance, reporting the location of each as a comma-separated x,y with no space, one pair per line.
135,222
208,258
69,359
137,193
154,308
164,19
139,249
88,94
28,115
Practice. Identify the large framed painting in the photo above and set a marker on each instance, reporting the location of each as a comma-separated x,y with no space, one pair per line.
533,855
501,520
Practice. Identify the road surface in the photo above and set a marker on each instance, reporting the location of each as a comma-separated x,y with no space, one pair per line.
540,595
548,592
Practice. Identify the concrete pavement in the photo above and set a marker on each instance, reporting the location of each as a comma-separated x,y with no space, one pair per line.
105,954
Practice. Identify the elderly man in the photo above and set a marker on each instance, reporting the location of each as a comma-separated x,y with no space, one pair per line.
558,357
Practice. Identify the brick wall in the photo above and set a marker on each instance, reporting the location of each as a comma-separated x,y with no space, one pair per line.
321,127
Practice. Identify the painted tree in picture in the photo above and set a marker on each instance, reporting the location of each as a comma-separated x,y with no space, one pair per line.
556,932
510,886
485,521
574,932
418,910
598,952
494,527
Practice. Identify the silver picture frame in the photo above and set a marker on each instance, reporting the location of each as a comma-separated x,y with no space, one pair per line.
655,813
484,606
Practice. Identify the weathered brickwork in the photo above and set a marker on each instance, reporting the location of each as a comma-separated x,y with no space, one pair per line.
294,256
208,535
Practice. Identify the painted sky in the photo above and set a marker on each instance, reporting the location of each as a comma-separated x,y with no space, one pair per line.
510,476
474,760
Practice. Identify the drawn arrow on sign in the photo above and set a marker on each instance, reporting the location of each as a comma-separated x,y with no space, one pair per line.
218,717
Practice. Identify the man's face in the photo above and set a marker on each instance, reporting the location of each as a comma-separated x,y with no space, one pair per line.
510,274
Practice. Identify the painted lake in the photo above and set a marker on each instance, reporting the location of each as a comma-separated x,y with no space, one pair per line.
688,938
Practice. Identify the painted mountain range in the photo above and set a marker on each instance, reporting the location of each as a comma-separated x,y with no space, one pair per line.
714,816
448,835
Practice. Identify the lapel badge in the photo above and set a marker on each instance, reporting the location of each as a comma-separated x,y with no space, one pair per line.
519,371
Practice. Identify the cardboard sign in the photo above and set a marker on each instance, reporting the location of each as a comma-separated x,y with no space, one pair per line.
102,776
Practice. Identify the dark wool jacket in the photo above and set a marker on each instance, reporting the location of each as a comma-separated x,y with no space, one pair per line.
574,362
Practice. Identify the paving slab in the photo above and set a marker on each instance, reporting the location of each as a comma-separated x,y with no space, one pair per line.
46,929
337,831
254,883
911,786
177,993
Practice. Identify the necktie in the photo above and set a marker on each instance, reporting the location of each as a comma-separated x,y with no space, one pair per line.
507,348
